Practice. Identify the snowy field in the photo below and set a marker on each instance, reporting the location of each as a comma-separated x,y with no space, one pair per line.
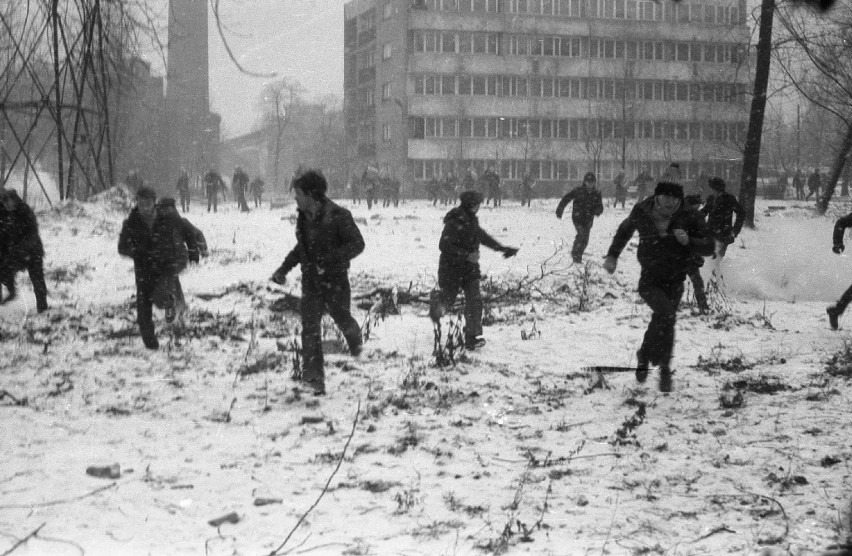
514,449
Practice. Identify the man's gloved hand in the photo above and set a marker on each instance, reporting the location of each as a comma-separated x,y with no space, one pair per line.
681,236
193,257
509,252
728,239
473,257
559,212
838,248
279,277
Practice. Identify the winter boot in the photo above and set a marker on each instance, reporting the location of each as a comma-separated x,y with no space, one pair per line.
471,344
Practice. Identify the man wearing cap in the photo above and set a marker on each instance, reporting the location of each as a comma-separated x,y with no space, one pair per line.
669,238
458,265
587,204
327,238
719,209
20,247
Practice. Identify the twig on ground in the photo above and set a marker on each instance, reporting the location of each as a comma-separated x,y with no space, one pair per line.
327,483
15,401
612,521
57,502
783,512
25,539
719,529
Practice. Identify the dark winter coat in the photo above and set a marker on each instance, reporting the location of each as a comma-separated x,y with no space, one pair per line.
213,183
663,258
587,204
719,208
19,238
183,184
814,182
461,237
174,241
134,241
327,242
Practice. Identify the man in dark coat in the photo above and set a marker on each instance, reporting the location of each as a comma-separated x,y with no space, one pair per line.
213,183
669,239
693,203
458,265
240,185
834,311
719,209
491,187
799,185
175,242
20,247
433,190
620,190
327,238
183,190
526,189
814,183
256,189
587,205
160,247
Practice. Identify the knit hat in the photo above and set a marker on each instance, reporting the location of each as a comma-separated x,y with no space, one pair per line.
669,183
470,198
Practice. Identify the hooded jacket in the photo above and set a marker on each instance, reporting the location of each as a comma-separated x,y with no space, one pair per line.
328,242
663,257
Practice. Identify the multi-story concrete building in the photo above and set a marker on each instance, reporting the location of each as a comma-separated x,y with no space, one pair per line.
550,87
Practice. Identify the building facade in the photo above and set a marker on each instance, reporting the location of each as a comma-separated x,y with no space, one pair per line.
553,88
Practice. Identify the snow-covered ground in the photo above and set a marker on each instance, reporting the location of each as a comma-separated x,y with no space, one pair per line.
514,449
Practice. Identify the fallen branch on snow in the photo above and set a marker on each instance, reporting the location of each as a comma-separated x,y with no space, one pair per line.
25,539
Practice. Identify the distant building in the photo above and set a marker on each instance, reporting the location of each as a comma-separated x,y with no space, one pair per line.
550,87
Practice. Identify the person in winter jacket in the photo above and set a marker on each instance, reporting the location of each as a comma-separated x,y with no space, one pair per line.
239,183
669,239
836,310
491,187
587,205
814,184
620,190
692,203
719,209
458,265
327,238
183,190
157,257
20,247
256,189
526,189
213,184
175,242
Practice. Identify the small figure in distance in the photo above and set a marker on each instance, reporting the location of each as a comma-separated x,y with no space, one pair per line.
587,205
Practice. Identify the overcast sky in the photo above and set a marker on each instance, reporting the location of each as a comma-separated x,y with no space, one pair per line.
298,39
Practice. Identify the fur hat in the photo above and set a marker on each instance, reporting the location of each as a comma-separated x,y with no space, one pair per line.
470,198
669,183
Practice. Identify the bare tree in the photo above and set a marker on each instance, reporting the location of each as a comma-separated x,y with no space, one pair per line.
825,45
277,102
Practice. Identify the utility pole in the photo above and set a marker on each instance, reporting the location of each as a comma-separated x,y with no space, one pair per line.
798,136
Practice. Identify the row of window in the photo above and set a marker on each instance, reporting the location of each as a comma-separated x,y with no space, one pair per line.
647,10
564,169
463,42
579,88
576,129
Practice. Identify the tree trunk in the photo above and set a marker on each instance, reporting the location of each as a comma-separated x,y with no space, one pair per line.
836,170
60,181
751,154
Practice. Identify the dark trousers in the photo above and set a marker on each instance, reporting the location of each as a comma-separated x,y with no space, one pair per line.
663,297
844,301
184,201
329,293
698,285
35,268
450,283
212,201
581,241
145,289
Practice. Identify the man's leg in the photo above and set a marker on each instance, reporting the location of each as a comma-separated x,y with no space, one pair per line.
834,311
36,272
312,308
658,343
144,312
338,299
472,311
581,241
698,287
7,278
